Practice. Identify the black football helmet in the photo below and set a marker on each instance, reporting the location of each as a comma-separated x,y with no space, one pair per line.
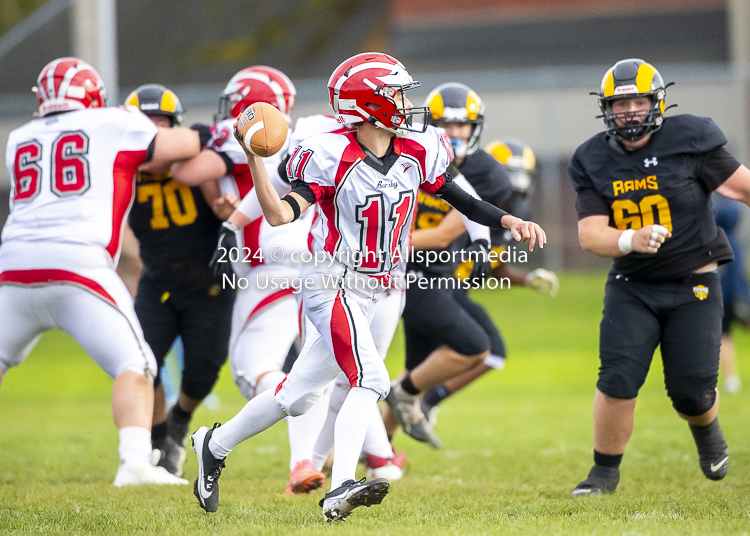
628,79
155,99
457,103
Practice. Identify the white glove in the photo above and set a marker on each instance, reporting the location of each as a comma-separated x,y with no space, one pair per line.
543,281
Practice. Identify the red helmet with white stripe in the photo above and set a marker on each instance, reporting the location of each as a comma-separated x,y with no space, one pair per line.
69,84
366,88
257,84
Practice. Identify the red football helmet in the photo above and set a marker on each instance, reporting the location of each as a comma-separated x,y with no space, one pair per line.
364,88
257,84
69,84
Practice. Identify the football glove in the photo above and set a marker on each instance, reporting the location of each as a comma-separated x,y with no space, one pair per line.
543,281
220,264
478,255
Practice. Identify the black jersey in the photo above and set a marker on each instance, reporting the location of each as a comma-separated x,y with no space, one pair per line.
431,210
177,231
492,184
668,182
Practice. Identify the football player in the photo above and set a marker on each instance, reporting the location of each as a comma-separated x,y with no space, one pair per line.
644,199
365,183
734,290
265,322
178,295
443,340
519,162
73,171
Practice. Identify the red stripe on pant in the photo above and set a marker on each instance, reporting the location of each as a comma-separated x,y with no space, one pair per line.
341,336
51,277
268,300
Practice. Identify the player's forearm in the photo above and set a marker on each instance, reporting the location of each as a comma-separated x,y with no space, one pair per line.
596,236
276,211
239,219
207,166
176,144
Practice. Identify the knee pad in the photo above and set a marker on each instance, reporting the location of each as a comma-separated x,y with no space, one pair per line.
619,378
295,406
696,404
198,389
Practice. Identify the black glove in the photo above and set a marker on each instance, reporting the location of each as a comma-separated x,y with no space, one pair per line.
479,252
220,264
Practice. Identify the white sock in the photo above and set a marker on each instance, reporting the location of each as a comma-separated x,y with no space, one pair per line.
259,414
376,439
135,445
305,429
324,443
349,433
269,381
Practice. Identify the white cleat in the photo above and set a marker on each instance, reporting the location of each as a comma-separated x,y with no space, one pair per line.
130,474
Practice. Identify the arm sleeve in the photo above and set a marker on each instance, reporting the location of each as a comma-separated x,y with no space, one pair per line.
250,206
717,166
304,191
476,231
474,209
588,200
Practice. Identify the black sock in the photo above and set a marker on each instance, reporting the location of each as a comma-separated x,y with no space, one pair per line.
158,432
434,396
180,415
607,460
408,386
710,438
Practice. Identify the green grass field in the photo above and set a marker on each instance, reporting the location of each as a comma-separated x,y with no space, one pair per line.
515,444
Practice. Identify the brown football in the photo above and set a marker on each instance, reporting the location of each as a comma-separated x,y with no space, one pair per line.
262,128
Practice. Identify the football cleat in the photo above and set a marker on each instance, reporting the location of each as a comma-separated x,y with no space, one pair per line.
129,474
713,452
304,478
206,487
388,468
339,503
600,480
169,455
408,412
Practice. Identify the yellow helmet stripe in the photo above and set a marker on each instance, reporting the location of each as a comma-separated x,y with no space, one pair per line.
473,105
169,101
499,151
132,99
529,160
645,76
436,104
608,84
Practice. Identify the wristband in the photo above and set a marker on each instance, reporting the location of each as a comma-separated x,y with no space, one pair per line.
625,242
229,225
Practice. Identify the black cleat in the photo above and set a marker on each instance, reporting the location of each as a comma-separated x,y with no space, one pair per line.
338,503
600,480
206,487
169,455
713,452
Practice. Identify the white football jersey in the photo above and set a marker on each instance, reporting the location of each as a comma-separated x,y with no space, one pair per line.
365,214
73,176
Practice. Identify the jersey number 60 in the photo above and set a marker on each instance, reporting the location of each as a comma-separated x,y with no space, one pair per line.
628,215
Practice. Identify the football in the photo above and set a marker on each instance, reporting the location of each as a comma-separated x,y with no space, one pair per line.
262,128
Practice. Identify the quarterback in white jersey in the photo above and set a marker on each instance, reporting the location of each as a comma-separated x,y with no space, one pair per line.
73,172
365,185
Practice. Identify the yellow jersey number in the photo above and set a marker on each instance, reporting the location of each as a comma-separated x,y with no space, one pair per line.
181,211
629,215
428,220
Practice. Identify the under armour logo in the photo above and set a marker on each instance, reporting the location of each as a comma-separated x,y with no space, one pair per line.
406,166
650,162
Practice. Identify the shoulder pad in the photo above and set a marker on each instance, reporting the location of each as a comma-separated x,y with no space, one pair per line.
687,134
